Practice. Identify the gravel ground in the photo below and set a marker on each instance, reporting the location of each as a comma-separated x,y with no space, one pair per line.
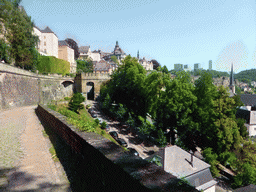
25,161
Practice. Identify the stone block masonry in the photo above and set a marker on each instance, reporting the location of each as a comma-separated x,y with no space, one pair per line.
19,87
110,167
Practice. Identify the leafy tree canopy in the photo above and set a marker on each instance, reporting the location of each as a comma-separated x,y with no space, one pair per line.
18,34
73,44
156,64
84,66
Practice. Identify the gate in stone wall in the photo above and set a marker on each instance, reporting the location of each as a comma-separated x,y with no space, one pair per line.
89,84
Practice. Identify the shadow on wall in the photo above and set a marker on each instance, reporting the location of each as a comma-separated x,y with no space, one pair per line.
91,171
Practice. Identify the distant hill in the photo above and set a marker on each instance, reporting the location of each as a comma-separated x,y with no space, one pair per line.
214,73
246,76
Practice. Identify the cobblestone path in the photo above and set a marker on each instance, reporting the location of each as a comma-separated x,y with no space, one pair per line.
25,161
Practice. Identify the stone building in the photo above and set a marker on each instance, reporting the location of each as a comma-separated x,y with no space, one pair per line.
183,164
102,67
248,112
85,52
66,53
148,65
118,52
48,41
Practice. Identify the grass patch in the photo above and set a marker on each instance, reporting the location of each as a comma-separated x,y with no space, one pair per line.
83,121
53,153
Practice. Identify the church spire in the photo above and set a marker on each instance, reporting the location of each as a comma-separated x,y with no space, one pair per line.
138,55
116,43
231,76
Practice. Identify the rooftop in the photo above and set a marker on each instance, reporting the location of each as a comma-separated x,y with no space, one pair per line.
177,162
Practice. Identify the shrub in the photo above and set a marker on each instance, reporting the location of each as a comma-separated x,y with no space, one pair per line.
88,106
66,98
75,102
103,125
97,121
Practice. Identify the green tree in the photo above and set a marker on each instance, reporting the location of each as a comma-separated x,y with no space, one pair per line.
127,87
114,59
84,66
211,158
242,128
75,103
4,51
174,105
238,90
19,28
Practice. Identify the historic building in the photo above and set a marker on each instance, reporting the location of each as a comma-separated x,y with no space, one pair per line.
66,53
48,41
85,52
148,65
118,52
102,67
231,85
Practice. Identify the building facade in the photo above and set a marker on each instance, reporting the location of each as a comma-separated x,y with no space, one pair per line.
178,67
148,65
118,52
66,53
210,64
85,52
48,41
197,66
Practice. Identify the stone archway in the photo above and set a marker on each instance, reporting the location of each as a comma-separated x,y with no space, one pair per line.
90,90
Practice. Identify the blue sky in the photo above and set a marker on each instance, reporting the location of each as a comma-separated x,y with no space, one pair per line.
170,31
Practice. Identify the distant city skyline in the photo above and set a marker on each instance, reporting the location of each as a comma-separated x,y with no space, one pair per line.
170,32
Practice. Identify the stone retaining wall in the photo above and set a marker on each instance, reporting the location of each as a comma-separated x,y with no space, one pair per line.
116,170
19,87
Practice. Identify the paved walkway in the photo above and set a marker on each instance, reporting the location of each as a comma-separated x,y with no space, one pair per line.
24,156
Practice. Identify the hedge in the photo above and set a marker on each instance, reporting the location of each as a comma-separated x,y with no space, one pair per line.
51,64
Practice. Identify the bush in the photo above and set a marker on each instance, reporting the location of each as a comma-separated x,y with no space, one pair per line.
97,121
88,106
103,125
75,102
66,98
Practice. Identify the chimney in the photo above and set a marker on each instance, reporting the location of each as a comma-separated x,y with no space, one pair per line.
192,160
191,153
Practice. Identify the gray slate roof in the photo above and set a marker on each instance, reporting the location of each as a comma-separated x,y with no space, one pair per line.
47,30
248,100
101,66
177,162
249,188
84,49
63,43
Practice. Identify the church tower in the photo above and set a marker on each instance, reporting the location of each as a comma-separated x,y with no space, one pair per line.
231,85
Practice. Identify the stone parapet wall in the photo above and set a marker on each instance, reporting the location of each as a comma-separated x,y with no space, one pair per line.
115,170
19,87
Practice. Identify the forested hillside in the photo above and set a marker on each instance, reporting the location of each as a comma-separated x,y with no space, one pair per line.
246,76
214,73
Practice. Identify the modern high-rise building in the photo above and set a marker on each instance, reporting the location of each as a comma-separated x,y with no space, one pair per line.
197,66
187,67
178,67
210,64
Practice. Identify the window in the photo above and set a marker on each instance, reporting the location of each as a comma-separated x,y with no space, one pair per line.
44,43
44,37
45,51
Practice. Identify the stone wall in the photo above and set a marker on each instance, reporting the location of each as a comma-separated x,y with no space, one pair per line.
116,170
96,78
19,87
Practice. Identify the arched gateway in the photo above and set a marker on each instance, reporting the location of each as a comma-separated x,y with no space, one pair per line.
84,82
